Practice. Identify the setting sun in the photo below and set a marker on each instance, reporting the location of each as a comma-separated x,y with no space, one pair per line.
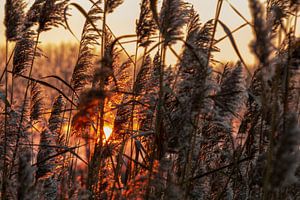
107,131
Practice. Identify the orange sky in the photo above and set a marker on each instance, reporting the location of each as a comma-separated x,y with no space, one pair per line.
122,21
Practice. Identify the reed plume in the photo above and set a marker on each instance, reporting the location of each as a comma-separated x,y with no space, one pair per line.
230,99
52,14
56,119
14,19
47,164
24,53
188,130
173,16
262,46
26,187
88,101
145,26
33,14
47,13
150,97
278,11
85,63
37,104
112,4
286,160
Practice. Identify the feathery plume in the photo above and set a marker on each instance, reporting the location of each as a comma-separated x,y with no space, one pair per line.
14,18
33,14
52,14
232,95
173,16
88,101
262,46
25,176
122,118
256,174
46,165
47,13
287,155
253,124
112,4
121,102
159,180
142,76
24,53
145,26
150,97
191,103
278,10
142,90
229,101
81,74
56,120
108,62
122,75
37,104
193,85
111,53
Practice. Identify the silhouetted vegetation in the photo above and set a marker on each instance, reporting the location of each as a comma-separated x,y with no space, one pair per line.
92,121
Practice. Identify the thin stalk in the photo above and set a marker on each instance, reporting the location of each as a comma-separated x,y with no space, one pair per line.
217,15
7,63
295,22
153,143
96,158
232,32
267,194
69,123
66,142
120,44
118,168
103,42
12,89
159,117
131,124
238,13
72,169
191,169
286,84
4,173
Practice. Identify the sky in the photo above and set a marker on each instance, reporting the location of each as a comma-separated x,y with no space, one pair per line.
122,21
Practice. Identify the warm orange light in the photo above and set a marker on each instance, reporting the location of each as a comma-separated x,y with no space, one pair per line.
107,131
66,128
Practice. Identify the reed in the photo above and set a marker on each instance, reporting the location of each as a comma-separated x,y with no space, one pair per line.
110,125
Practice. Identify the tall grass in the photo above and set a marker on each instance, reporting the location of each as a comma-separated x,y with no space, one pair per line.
197,129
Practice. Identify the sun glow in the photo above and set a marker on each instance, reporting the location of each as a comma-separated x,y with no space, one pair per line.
66,128
107,131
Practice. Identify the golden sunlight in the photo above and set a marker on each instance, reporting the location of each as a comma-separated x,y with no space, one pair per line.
66,128
107,131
